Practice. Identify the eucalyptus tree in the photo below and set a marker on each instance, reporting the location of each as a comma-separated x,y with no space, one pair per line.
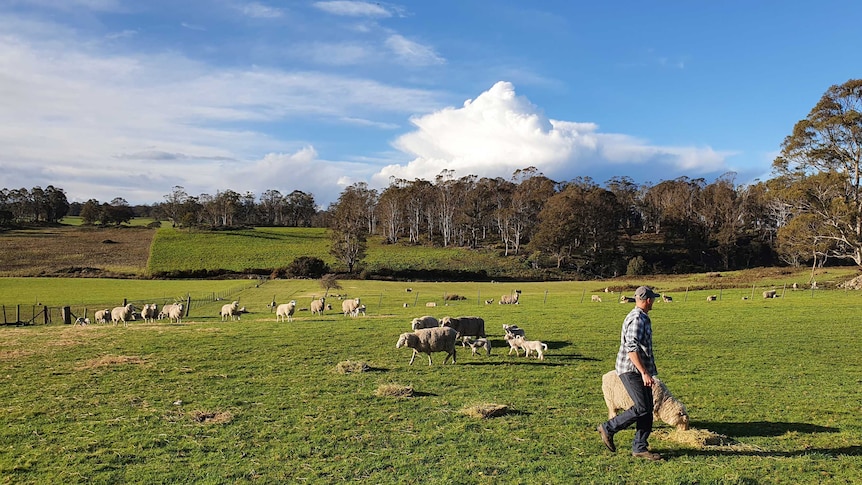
391,209
829,141
349,226
271,207
532,190
300,209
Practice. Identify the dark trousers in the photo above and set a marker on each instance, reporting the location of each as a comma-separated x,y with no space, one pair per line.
640,413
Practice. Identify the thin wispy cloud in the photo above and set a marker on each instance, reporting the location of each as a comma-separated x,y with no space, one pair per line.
413,53
192,26
354,9
261,11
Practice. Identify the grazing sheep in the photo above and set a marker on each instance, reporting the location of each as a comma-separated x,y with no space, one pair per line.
531,345
769,294
665,406
82,321
510,339
426,321
465,326
666,298
122,314
514,330
230,310
427,340
510,299
360,310
318,305
712,298
149,312
596,298
479,343
431,304
348,307
102,316
626,299
286,310
489,301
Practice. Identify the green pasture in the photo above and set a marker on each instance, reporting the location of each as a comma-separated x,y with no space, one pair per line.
135,222
255,401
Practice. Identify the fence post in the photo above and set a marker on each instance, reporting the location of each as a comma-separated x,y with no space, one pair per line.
47,318
17,313
67,315
188,304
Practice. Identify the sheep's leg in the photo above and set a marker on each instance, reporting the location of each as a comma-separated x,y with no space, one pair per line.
429,359
413,357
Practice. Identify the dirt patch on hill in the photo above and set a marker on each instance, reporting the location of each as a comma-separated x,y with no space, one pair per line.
71,251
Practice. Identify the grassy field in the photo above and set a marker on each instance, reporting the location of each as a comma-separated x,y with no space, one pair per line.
257,401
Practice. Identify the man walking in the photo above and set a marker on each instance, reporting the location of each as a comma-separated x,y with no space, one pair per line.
636,367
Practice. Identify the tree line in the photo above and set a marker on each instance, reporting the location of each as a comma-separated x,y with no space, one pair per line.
810,212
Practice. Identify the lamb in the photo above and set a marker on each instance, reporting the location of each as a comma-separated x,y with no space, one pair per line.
479,343
626,299
665,406
230,310
711,298
285,310
427,340
514,330
102,316
531,345
431,304
122,314
510,339
426,321
82,321
360,310
318,305
348,307
489,301
510,299
769,294
149,312
596,299
465,326
667,298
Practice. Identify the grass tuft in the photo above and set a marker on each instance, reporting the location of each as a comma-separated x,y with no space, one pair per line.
109,360
393,390
211,417
351,366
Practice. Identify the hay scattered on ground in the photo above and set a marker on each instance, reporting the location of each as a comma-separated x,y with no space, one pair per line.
701,438
486,410
350,366
108,360
211,417
394,390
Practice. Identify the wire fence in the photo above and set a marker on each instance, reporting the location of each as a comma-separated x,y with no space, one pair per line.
38,314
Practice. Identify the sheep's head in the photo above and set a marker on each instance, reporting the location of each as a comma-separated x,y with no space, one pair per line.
402,340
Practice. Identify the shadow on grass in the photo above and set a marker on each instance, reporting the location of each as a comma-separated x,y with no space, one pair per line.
832,452
761,428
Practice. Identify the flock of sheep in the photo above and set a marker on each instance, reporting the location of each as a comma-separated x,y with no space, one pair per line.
127,313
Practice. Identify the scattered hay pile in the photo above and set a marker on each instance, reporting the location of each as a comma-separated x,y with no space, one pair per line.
701,438
394,390
486,410
211,417
854,284
350,366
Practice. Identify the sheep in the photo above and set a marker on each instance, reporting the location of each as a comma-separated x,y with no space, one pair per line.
514,330
360,310
711,298
427,340
431,304
626,299
489,301
285,310
666,298
426,321
149,312
596,299
122,314
769,294
174,312
510,339
465,326
348,307
665,406
230,310
82,321
531,345
510,299
479,343
318,305
102,316
795,286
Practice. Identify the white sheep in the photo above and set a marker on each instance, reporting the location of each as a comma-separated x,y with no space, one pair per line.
596,299
626,299
285,310
514,330
769,294
122,314
149,312
318,305
229,310
665,406
711,298
102,316
427,340
426,321
479,343
82,321
348,307
531,346
174,312
510,299
431,304
513,345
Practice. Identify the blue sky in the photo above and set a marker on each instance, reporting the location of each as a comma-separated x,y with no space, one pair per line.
128,98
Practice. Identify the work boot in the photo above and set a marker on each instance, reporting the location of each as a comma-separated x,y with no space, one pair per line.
607,439
647,455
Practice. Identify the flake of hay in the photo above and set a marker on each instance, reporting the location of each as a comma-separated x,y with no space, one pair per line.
699,438
211,417
350,366
109,360
486,410
394,390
